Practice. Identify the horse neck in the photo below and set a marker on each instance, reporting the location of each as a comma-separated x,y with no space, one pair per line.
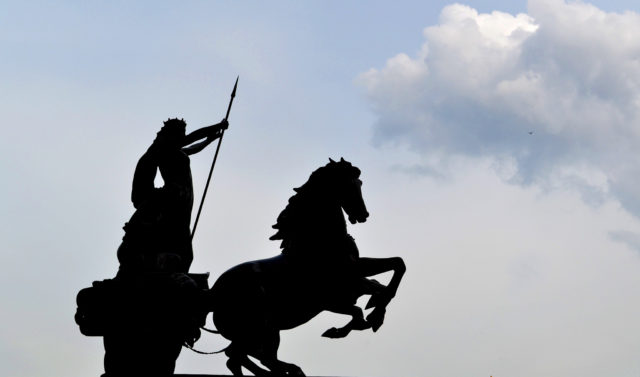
325,215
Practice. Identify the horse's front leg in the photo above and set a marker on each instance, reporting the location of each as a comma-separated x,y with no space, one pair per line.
357,322
379,300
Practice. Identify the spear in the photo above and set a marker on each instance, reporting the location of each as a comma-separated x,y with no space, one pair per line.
215,157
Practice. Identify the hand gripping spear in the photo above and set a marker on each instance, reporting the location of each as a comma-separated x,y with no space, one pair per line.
215,157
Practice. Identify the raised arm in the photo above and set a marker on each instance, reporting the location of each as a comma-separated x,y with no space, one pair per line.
209,134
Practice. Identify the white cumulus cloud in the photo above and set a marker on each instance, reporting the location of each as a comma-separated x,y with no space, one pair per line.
555,93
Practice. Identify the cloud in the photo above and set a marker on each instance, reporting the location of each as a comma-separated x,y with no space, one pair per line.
555,93
631,239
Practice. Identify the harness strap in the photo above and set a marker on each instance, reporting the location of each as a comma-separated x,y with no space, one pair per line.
202,352
210,331
186,345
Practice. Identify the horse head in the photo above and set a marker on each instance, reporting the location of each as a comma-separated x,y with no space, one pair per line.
349,190
331,188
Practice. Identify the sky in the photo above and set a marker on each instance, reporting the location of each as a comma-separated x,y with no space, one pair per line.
496,141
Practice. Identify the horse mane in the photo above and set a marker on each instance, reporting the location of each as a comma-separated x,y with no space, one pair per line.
287,223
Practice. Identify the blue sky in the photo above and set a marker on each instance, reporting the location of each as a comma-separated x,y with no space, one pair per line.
523,251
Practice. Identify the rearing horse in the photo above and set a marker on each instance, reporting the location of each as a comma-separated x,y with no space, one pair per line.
319,269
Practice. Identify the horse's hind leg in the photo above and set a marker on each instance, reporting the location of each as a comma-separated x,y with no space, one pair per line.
269,357
238,359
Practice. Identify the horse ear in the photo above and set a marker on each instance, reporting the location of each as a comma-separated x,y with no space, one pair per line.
331,161
341,159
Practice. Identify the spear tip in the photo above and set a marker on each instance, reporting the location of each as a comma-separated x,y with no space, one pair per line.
233,94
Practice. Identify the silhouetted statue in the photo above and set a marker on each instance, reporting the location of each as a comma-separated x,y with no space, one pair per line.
156,246
152,307
319,269
158,237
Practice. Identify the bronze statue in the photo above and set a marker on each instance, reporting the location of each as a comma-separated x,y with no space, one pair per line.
152,307
155,256
158,237
319,269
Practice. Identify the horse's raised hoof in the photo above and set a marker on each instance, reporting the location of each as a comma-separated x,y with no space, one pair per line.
334,333
376,318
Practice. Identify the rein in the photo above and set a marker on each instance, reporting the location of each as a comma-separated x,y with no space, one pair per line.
210,331
186,345
202,352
